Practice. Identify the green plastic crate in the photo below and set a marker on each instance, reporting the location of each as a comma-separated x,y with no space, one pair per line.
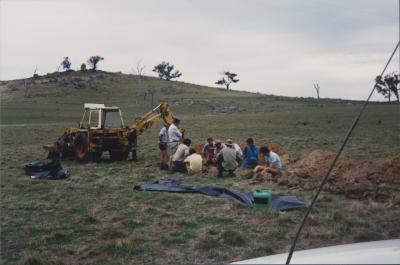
262,199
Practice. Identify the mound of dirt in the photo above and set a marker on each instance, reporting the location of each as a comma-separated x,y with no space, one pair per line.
317,162
378,179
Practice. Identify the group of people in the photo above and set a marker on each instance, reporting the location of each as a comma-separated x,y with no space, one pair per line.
227,157
181,157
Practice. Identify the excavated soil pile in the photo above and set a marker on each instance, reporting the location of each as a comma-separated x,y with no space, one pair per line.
378,179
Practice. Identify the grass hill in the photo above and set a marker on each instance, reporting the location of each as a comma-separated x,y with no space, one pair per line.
94,216
297,123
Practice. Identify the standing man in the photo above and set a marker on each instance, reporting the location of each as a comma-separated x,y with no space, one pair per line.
174,138
274,164
250,154
163,142
227,159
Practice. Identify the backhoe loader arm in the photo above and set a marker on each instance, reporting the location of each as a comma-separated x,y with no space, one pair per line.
161,112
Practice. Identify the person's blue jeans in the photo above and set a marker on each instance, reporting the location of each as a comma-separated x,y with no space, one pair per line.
249,163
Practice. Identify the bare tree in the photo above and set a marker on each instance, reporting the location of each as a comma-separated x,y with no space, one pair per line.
316,87
139,76
35,74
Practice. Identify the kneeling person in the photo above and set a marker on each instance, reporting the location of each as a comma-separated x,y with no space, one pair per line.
227,159
274,164
194,162
181,153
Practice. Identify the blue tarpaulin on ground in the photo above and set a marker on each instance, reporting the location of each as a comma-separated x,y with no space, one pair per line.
174,184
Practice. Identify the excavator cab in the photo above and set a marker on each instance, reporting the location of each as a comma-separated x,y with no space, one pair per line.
98,116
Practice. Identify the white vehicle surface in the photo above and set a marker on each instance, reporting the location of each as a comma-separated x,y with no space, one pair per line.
375,252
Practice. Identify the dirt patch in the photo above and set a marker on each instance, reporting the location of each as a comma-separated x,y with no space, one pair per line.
377,179
317,162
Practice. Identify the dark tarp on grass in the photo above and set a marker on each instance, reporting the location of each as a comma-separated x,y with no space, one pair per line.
173,184
42,170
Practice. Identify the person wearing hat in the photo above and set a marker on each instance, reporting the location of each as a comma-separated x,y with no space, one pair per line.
227,159
174,138
218,147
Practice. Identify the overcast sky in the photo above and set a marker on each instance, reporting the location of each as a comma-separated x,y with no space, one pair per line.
276,47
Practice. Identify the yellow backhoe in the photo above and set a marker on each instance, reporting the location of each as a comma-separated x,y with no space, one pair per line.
102,129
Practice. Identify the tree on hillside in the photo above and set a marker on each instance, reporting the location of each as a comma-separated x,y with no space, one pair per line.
227,79
316,87
165,71
66,64
35,74
388,85
139,76
93,61
83,67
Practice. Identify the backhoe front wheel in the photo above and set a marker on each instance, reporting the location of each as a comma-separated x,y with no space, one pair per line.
81,148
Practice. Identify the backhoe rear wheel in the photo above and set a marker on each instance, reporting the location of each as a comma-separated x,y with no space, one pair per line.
81,151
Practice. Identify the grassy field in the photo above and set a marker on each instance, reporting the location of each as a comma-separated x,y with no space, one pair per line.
95,217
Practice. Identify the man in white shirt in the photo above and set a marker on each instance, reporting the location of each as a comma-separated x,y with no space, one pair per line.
194,162
163,142
178,158
174,138
274,164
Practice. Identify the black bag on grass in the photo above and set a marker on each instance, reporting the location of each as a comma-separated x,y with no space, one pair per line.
42,170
